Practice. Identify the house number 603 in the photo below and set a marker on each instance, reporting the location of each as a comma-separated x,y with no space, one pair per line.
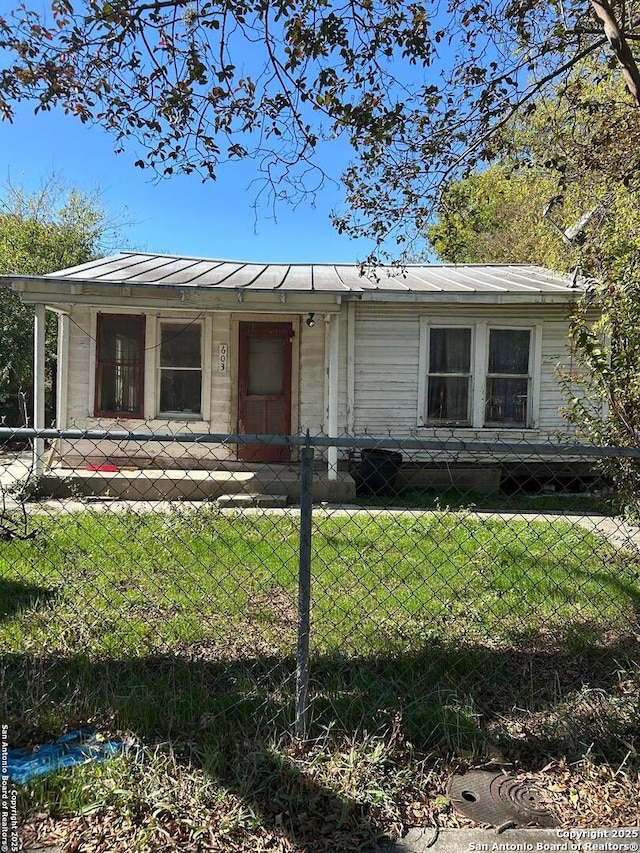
223,354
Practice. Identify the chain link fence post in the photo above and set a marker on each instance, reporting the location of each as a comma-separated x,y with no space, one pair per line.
304,590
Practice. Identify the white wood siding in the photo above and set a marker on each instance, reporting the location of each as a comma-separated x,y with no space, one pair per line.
387,376
555,342
342,374
384,372
81,391
312,377
220,383
387,343
217,392
81,357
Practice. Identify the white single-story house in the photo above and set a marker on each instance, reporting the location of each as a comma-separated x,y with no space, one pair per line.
174,344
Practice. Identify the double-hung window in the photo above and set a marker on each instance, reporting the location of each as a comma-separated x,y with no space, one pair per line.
478,375
508,378
120,365
449,379
180,369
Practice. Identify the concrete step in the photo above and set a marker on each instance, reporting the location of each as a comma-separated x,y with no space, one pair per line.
242,500
151,484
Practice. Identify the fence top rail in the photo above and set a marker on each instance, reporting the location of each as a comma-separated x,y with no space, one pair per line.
451,445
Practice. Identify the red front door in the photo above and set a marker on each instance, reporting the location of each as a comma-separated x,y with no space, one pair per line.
264,388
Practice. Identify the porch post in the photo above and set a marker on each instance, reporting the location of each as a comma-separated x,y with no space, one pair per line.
332,419
351,368
39,320
62,374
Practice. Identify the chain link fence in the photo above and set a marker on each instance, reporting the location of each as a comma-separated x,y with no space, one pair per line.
463,601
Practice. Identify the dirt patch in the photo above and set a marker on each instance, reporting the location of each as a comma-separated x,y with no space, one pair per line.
277,603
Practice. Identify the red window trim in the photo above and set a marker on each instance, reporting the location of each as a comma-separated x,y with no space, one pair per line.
99,413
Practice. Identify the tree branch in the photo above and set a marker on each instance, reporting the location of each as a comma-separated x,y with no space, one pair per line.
618,42
540,84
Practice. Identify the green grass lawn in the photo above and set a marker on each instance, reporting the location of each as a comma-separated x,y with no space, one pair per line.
121,583
436,629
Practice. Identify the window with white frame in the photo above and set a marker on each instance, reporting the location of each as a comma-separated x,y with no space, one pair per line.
449,378
479,375
508,378
180,369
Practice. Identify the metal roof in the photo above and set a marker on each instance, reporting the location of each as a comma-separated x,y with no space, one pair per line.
139,268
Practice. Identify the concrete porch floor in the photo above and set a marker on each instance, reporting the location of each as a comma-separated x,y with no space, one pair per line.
234,486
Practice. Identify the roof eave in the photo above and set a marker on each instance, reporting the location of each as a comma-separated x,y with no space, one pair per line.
26,280
507,297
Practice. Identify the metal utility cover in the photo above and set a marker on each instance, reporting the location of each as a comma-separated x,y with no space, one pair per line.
496,798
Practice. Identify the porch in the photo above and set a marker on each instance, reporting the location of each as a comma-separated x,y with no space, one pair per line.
231,484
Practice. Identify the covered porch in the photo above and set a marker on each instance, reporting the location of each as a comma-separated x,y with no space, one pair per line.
231,485
228,325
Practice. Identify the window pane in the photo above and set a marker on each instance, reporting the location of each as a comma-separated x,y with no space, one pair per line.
509,351
180,391
507,401
449,350
120,338
265,375
448,399
180,345
120,360
119,388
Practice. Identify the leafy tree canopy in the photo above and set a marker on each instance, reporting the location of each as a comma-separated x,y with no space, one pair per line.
420,89
563,193
557,198
40,232
48,230
495,216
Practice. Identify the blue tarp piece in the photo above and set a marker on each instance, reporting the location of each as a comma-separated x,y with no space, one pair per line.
78,747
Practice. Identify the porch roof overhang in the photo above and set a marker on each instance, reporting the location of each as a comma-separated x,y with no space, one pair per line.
61,294
162,281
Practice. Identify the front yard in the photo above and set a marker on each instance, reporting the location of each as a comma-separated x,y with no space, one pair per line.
437,639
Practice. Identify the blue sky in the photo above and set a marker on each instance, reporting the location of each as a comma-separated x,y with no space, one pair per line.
178,215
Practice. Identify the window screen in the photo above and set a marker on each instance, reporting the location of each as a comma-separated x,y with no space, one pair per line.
120,365
181,369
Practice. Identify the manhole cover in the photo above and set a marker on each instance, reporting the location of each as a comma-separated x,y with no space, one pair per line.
531,803
497,799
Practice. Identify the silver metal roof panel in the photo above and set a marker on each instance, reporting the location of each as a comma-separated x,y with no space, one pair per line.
415,280
328,279
270,277
180,271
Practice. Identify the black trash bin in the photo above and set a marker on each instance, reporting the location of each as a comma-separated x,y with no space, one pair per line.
377,471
